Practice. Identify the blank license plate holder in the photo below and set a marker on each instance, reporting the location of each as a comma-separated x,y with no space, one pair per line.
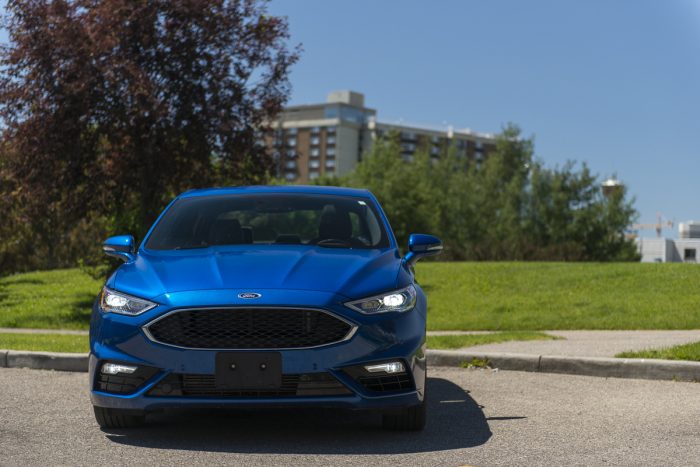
248,370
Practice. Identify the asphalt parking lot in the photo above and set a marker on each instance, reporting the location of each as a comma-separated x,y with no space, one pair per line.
477,417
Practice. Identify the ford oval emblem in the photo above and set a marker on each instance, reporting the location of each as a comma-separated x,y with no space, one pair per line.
249,295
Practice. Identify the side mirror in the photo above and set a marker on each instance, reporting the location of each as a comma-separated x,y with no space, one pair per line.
121,246
420,246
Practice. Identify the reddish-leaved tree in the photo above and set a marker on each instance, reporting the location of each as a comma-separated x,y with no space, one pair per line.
114,106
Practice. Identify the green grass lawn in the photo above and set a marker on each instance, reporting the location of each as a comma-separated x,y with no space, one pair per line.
542,296
44,342
678,352
468,296
468,340
47,299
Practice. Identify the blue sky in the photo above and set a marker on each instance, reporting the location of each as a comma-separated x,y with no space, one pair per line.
612,83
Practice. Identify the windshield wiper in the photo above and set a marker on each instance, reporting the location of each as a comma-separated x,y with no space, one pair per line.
334,243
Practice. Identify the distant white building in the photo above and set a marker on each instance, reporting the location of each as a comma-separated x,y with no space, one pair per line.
667,250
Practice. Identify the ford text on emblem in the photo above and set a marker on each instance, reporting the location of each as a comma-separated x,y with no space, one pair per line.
249,295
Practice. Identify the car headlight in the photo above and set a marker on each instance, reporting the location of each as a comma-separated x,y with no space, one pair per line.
116,302
399,300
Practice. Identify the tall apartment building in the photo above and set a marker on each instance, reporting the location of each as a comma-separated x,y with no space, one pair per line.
330,138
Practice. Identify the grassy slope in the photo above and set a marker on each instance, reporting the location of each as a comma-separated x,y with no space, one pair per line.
471,296
534,296
44,342
679,352
468,340
47,299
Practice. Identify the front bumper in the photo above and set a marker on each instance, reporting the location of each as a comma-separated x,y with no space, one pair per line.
385,337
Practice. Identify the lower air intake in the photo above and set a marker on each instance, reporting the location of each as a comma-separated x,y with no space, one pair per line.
400,382
123,383
191,385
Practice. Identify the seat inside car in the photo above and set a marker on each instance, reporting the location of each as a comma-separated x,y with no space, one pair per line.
247,233
334,224
225,232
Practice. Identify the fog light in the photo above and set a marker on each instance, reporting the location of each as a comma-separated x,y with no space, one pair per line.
115,369
390,368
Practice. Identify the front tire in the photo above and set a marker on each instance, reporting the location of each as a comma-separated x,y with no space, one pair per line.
118,418
409,419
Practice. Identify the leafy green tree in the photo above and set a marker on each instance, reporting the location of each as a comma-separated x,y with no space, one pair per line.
400,187
507,207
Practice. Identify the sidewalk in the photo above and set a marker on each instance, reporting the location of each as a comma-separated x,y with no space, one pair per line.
589,353
571,344
588,343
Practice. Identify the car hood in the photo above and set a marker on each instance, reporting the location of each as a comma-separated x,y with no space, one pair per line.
351,273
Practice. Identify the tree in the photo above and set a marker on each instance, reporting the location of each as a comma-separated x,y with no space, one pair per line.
399,186
111,107
506,207
497,189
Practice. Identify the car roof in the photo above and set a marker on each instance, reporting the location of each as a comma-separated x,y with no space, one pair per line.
300,189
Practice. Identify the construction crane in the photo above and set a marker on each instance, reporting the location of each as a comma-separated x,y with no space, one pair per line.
661,223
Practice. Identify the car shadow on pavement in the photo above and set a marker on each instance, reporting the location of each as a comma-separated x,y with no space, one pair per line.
455,421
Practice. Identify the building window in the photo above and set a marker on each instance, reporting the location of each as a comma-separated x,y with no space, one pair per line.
435,151
408,147
315,130
330,164
479,145
315,141
689,255
330,152
292,131
291,142
291,154
313,175
330,140
330,130
408,136
290,165
290,176
314,164
315,152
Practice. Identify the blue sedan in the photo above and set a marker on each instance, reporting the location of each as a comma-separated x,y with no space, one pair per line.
263,297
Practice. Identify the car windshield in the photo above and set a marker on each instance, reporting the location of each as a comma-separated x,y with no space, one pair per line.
275,219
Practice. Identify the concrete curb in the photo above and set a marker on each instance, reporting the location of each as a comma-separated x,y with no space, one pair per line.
45,360
587,366
502,361
638,368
